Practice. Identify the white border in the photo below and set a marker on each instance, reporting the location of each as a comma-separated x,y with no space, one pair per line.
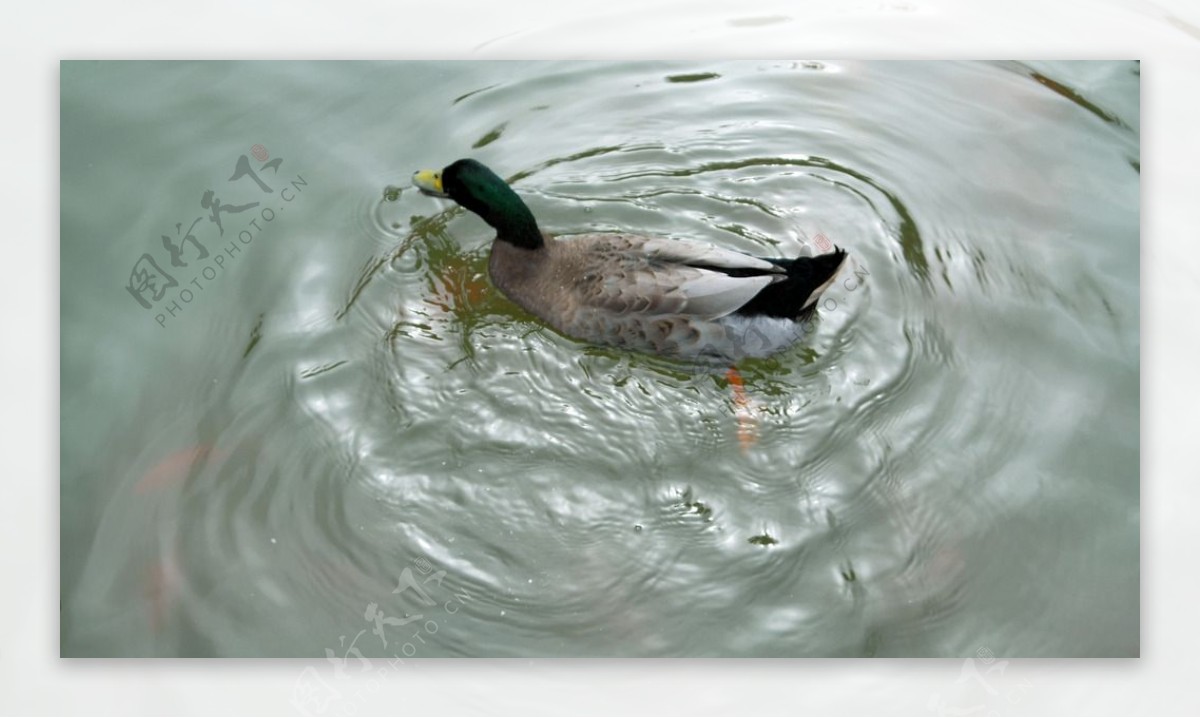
1165,35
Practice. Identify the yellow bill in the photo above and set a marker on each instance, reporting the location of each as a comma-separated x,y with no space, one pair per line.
429,182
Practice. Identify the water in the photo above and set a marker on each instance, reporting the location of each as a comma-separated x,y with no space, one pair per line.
342,426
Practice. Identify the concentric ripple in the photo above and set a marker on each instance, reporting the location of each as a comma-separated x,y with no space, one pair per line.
396,458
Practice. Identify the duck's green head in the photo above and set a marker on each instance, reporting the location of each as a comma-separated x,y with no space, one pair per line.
480,190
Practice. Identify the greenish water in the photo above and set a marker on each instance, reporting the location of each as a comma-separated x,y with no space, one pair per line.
341,425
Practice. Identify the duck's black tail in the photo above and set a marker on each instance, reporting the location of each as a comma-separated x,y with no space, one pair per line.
797,295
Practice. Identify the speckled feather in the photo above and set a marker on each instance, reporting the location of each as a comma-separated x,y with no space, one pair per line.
647,294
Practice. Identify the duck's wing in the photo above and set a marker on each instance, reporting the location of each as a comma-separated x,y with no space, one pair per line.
661,277
694,253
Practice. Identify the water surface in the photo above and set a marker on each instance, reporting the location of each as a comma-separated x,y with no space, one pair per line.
342,443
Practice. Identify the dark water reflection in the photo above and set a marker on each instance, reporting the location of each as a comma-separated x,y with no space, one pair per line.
348,427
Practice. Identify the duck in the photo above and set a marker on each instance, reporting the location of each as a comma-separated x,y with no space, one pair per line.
682,299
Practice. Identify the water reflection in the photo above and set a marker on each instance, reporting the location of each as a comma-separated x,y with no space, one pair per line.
948,461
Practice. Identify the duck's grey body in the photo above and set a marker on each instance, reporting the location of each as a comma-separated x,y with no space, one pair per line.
675,298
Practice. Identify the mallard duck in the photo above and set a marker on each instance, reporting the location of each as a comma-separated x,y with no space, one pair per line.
682,299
